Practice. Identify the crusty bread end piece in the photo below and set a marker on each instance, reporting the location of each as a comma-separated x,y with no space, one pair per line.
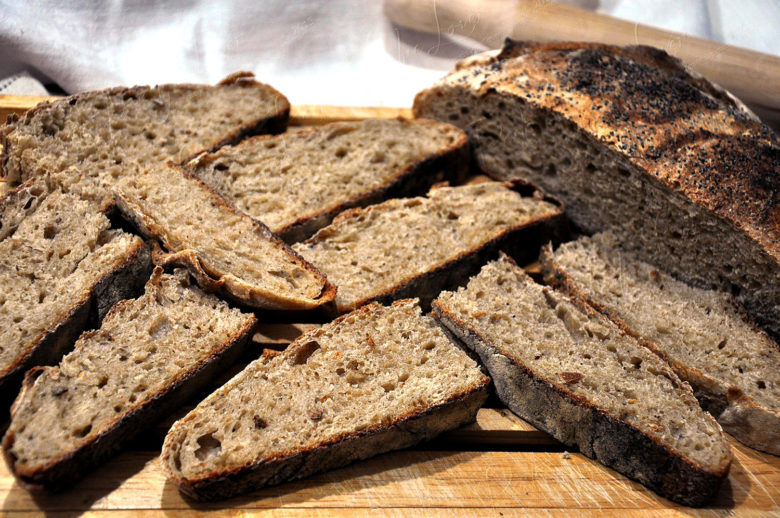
574,374
377,379
631,142
225,249
149,355
298,181
733,367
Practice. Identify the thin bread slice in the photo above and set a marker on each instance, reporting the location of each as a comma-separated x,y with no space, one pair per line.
733,367
99,134
62,267
574,374
149,354
419,246
298,181
630,141
225,249
378,379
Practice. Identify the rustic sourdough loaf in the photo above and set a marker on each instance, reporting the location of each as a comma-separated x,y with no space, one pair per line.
148,355
378,379
102,133
628,140
418,246
574,374
297,182
224,248
61,268
733,367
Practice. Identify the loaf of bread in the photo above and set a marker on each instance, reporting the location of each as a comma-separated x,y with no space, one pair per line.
298,181
573,373
733,367
630,141
419,246
61,268
148,355
99,134
224,248
378,379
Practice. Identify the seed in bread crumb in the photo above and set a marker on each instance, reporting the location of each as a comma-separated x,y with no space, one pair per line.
260,423
571,377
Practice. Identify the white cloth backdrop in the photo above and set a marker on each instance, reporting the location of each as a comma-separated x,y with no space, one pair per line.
338,52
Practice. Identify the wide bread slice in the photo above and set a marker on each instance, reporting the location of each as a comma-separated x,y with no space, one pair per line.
573,373
631,141
419,246
225,249
298,181
100,134
62,267
149,355
377,379
733,367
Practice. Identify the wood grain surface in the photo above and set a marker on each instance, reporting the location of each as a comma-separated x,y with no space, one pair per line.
498,466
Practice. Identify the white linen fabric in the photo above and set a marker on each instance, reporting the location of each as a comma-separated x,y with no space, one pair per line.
337,52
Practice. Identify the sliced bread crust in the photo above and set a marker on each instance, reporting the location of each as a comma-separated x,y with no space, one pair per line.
558,403
319,404
57,281
55,453
629,141
100,133
225,249
297,182
419,246
672,319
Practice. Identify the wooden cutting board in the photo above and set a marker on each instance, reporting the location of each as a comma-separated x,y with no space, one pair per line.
499,466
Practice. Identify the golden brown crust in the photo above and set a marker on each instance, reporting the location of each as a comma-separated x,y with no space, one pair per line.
639,103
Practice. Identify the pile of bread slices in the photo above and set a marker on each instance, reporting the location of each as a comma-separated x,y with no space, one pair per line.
147,230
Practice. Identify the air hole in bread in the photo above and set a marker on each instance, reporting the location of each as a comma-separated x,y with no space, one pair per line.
305,352
209,446
83,431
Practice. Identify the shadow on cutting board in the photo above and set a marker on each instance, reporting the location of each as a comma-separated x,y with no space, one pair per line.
354,478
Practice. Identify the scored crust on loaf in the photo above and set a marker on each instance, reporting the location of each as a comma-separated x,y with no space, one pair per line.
148,354
61,268
418,246
378,379
102,133
224,248
298,181
574,374
630,142
731,365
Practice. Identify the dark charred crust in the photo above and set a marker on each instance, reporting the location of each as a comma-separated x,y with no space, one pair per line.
596,434
62,472
404,431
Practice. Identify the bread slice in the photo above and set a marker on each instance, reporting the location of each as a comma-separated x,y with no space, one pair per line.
297,182
630,141
100,134
378,379
574,374
731,365
61,268
148,355
224,248
418,246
